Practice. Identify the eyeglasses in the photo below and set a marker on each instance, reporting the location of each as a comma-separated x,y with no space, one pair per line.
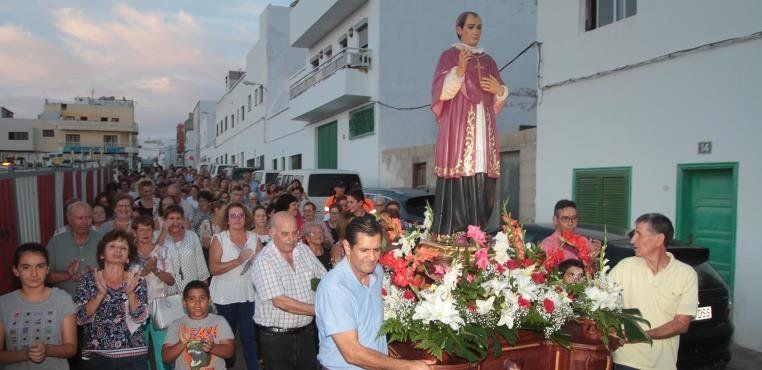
236,216
568,218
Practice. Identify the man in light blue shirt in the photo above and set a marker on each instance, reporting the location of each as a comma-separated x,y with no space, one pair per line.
349,309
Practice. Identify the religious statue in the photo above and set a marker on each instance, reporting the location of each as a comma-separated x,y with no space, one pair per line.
467,94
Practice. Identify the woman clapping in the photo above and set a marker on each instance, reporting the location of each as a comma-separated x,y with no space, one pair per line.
112,305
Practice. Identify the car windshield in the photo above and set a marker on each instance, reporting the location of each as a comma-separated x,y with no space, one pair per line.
416,206
321,184
269,178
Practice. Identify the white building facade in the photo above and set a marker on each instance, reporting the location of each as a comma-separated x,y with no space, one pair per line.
203,119
251,123
654,107
369,62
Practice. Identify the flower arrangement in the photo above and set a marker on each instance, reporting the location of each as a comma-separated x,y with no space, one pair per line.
464,300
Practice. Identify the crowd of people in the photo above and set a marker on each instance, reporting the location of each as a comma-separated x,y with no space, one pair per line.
242,259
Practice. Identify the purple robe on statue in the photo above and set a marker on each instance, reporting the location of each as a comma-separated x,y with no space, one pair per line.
467,161
455,150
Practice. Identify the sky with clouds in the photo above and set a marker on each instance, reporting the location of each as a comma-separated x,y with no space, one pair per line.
165,55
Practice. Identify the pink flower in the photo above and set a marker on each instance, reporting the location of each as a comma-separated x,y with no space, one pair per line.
441,269
470,277
482,261
476,233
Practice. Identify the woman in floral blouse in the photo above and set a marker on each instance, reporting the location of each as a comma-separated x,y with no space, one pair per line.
112,305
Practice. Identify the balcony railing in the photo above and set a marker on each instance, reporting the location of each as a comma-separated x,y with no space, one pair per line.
347,58
96,148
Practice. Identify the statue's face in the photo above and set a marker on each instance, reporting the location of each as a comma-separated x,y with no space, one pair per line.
471,32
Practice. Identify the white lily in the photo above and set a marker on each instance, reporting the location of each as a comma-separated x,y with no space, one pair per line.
435,308
501,248
450,278
485,306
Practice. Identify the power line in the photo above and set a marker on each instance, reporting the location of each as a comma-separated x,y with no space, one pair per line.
660,58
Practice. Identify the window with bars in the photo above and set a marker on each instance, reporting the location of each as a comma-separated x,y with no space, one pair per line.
361,122
110,140
603,195
72,139
48,133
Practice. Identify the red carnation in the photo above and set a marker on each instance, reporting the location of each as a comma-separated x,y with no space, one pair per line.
384,292
471,308
512,264
408,295
527,263
400,280
549,305
386,259
523,302
538,277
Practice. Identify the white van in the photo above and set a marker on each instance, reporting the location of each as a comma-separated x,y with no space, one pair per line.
318,184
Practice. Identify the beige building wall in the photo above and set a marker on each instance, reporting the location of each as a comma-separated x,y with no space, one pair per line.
92,138
397,167
117,111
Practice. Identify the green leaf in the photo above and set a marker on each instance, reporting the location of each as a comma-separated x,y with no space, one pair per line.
497,347
562,338
510,335
314,283
634,332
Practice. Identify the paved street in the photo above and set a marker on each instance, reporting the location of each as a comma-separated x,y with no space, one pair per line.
744,359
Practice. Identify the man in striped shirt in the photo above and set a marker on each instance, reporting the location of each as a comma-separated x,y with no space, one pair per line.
284,299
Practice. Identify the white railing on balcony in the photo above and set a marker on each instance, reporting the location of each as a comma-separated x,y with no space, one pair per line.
347,58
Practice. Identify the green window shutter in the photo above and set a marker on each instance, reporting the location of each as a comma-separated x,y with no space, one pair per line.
603,196
361,122
588,198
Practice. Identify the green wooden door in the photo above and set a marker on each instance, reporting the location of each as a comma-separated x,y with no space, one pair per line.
327,146
707,213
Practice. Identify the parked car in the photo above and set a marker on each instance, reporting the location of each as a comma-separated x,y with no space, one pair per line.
236,173
220,169
269,177
318,184
412,202
706,345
